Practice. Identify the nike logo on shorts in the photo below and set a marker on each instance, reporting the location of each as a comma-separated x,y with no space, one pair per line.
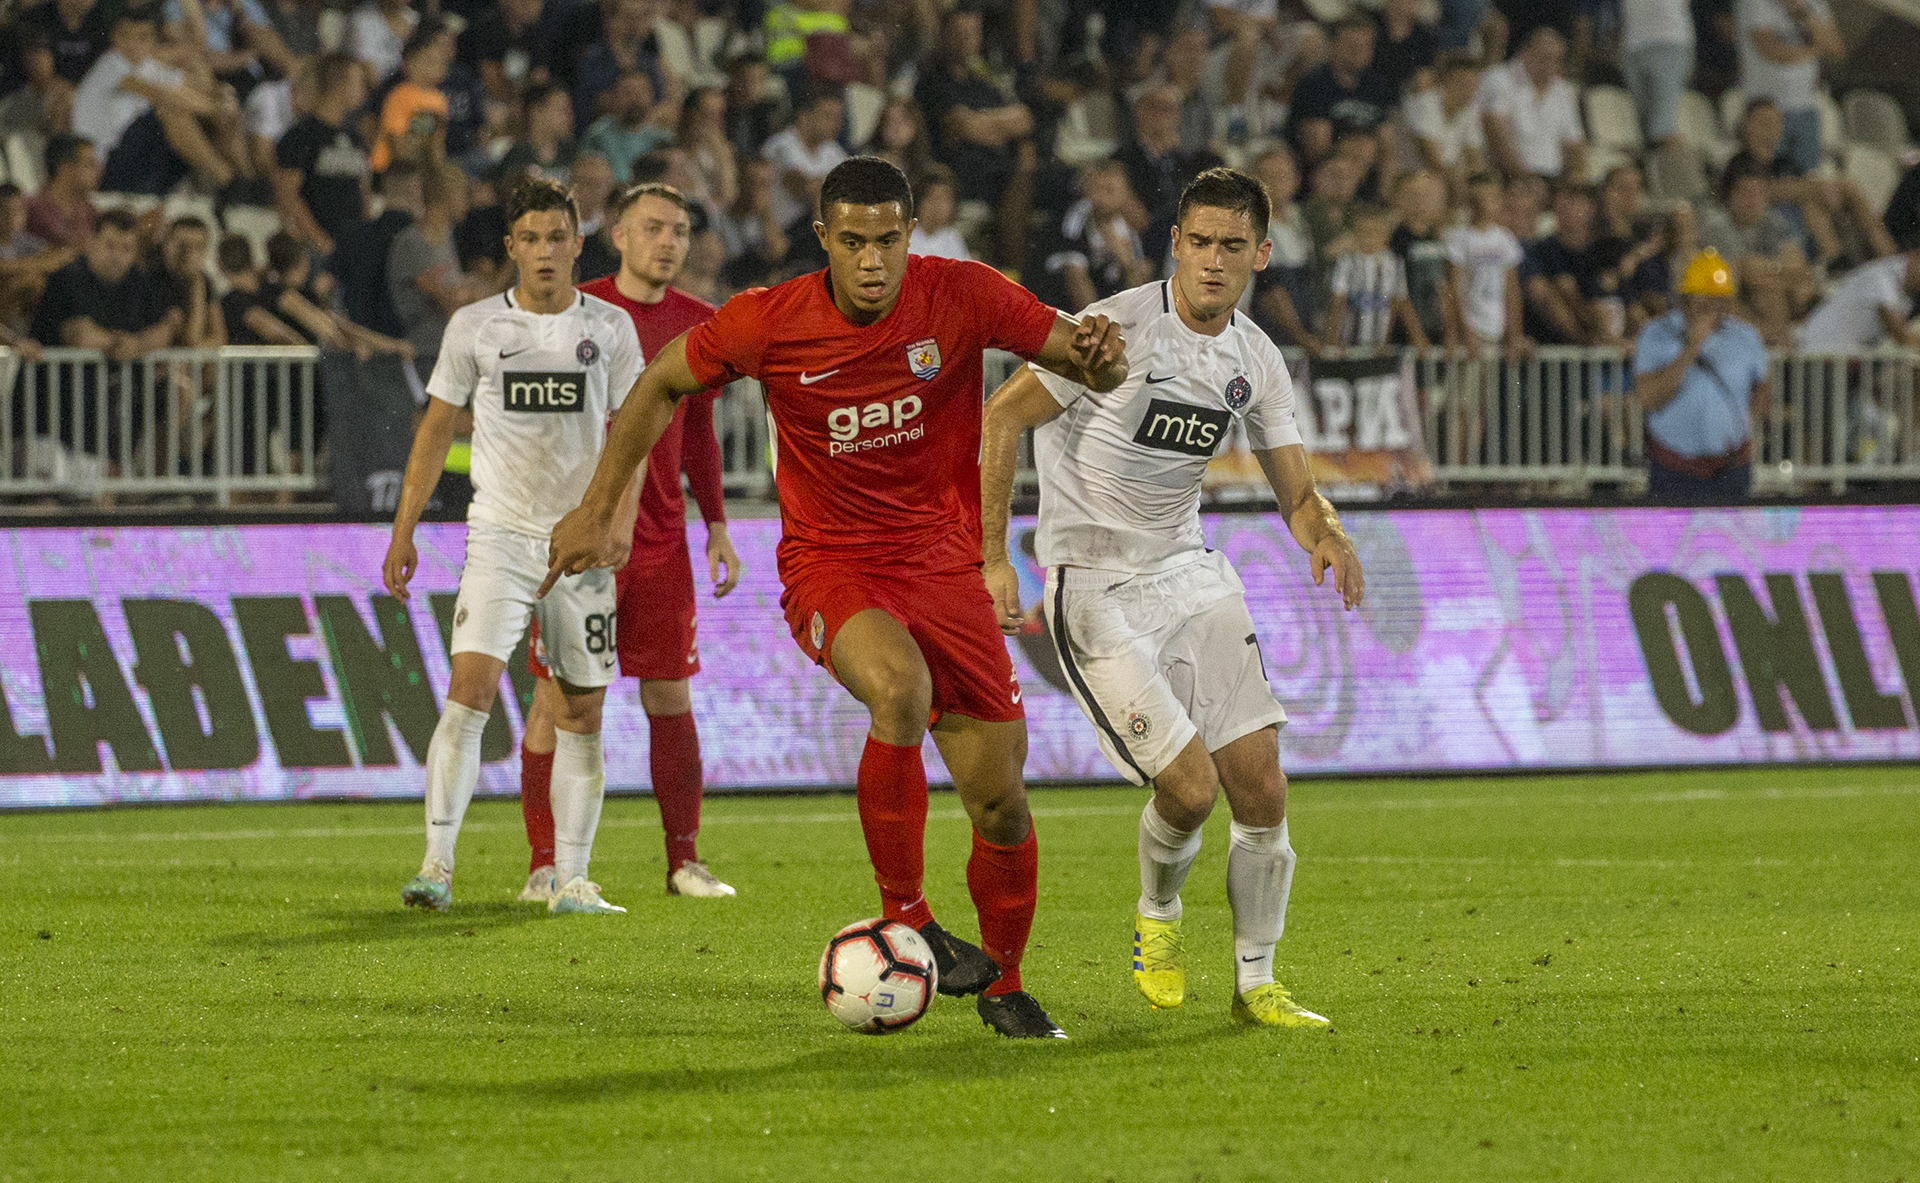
807,379
1153,381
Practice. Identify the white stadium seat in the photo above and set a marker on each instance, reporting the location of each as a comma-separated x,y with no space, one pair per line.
1833,130
1699,122
865,104
1875,171
24,156
1733,105
254,223
1875,118
1612,119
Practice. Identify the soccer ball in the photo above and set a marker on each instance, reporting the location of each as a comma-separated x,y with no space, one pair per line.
877,976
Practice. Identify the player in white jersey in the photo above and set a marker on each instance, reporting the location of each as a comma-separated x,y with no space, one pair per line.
541,367
1151,627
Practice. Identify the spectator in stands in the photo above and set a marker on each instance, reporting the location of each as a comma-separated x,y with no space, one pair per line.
1420,198
1701,376
76,31
1344,94
43,106
1902,219
593,186
245,314
1157,169
289,291
1632,250
423,272
547,149
180,268
935,201
1484,274
1657,58
1328,216
297,24
1283,289
1759,244
702,135
271,109
377,34
1523,205
753,238
1781,44
236,38
1445,122
1838,217
630,128
26,260
1403,53
627,47
481,236
1369,287
321,178
62,213
700,275
504,46
105,300
1869,306
1184,67
901,138
1532,116
413,118
1099,253
802,156
983,133
753,116
146,116
1561,277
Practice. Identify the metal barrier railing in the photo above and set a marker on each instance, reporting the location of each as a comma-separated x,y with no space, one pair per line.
176,421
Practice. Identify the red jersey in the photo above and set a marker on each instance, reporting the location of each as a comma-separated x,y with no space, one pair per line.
877,426
689,443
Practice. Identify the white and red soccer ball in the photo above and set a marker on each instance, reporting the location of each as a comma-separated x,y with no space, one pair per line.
877,976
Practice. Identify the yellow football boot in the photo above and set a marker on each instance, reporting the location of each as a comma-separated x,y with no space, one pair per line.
1271,1006
1159,961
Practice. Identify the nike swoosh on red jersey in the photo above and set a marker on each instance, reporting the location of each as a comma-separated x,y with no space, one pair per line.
807,379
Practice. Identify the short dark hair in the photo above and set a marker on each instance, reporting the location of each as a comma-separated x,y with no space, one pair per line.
8,190
235,253
625,199
117,219
866,180
62,148
1231,190
537,195
189,222
1740,170
284,252
331,69
422,36
815,93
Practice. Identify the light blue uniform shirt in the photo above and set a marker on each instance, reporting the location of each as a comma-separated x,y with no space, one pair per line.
1708,417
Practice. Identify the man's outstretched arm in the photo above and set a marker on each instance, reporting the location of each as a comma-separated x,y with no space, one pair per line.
583,538
1022,403
1315,526
1092,351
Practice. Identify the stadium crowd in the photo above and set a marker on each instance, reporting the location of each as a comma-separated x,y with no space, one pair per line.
1459,173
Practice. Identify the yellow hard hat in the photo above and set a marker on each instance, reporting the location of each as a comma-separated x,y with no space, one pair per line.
1707,275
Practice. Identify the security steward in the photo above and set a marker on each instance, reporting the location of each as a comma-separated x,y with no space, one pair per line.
1701,375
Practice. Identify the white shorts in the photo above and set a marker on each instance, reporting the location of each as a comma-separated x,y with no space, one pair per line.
1155,660
503,569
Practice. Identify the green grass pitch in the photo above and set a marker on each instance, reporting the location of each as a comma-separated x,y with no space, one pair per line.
1693,976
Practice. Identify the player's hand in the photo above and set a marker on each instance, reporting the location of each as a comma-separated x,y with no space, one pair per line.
1336,551
618,550
1098,346
402,561
720,554
1003,584
579,542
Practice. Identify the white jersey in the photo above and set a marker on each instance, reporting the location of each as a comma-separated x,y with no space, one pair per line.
1120,472
542,387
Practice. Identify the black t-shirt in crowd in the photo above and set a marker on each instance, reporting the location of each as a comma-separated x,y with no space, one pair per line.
234,307
1550,259
133,304
74,50
490,39
1397,61
980,171
1425,258
597,258
332,163
1361,107
481,236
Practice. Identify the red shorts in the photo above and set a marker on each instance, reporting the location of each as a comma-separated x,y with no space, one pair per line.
949,615
654,622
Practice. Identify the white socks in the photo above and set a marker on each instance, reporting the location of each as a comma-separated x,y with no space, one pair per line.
453,769
1259,875
1166,854
579,785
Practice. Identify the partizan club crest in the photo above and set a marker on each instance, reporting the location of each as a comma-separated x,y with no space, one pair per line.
1239,393
587,352
923,358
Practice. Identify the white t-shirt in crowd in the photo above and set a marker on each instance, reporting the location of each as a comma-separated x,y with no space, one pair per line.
103,112
1485,254
1425,116
1849,318
944,243
1655,22
1369,284
371,39
269,109
789,153
541,387
1120,472
1791,86
1539,121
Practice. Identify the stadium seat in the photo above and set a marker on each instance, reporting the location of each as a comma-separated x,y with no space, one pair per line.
1699,122
254,223
1875,118
23,155
1833,129
1733,106
865,104
1612,120
333,29
1875,171
1677,173
1088,131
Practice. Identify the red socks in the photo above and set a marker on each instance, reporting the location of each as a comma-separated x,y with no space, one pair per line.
674,754
1004,882
536,805
893,815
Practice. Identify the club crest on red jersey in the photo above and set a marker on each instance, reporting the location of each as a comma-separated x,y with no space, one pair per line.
923,358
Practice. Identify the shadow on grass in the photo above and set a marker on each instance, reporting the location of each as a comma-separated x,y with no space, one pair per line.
364,925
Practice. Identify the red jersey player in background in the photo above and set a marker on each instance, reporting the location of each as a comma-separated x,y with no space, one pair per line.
651,231
872,371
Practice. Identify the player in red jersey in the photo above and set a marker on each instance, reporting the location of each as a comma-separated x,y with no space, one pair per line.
651,231
872,371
